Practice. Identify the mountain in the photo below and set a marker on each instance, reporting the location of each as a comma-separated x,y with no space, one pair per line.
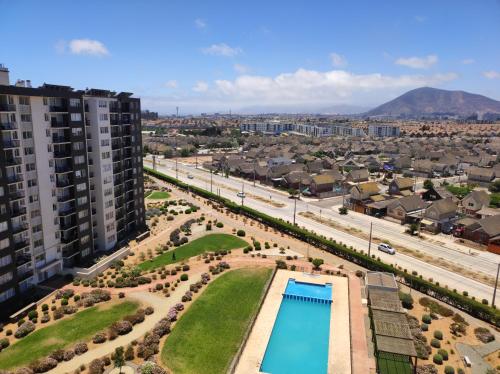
433,102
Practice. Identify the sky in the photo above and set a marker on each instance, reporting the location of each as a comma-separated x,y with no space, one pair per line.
255,56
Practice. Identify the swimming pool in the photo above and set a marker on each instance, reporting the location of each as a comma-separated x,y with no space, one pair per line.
301,332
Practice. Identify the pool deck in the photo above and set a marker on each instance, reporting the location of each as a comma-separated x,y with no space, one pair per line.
339,351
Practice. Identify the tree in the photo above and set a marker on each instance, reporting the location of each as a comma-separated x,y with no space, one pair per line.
343,210
173,256
495,186
428,184
119,360
317,262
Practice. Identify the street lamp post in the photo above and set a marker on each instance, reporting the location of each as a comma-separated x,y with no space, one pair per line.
496,285
294,210
210,178
242,193
370,240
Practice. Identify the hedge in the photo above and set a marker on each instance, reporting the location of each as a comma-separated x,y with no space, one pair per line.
459,301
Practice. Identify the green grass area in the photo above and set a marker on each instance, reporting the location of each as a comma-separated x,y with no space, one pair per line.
208,336
80,327
207,243
393,364
459,191
158,195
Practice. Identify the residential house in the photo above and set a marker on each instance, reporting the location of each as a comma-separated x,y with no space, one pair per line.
438,193
483,231
440,215
401,186
474,202
325,185
422,168
297,180
358,176
406,208
480,176
363,194
403,162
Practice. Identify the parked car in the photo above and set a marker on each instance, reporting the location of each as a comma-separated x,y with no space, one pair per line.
241,194
190,176
386,248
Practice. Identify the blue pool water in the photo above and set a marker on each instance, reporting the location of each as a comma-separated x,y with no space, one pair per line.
299,340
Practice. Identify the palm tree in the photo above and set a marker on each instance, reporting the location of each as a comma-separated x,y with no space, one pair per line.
119,359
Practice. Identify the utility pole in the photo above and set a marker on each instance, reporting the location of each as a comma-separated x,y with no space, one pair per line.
176,169
242,193
210,178
254,172
154,162
320,221
496,285
370,242
294,210
196,161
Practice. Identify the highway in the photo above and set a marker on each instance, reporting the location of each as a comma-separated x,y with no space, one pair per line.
278,204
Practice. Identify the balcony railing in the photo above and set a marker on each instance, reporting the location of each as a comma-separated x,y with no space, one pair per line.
61,183
65,197
24,275
14,178
58,108
8,126
63,226
58,123
60,139
22,259
13,161
62,154
16,229
7,107
16,195
16,212
63,169
11,144
22,243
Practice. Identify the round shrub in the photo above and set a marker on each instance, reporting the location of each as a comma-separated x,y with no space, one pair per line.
44,365
81,348
435,343
438,335
96,366
240,233
45,307
424,327
184,277
426,319
68,355
219,225
444,354
149,310
64,302
99,338
4,343
58,355
449,370
24,329
122,327
437,359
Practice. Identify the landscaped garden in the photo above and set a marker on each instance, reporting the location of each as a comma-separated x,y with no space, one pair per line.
158,195
207,243
208,336
80,327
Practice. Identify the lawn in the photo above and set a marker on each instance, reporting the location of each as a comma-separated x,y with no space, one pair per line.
207,243
208,336
80,327
158,195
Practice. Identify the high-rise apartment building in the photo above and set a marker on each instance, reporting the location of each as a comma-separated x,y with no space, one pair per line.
71,178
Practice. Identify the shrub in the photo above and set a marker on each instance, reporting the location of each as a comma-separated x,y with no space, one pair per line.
149,310
184,277
81,348
424,327
208,226
112,333
317,262
438,335
99,338
44,365
437,359
96,366
406,300
122,327
150,367
484,335
449,370
444,354
45,307
24,329
426,319
33,314
4,343
240,233
58,355
68,355
435,343
129,353
219,225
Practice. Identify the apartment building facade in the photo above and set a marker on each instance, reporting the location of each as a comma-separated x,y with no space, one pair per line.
316,130
71,179
383,130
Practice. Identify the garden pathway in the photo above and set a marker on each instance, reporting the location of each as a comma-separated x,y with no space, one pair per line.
479,366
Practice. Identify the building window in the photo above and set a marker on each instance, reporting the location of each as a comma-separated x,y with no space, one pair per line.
104,142
104,130
82,200
4,243
78,146
3,226
25,117
24,100
81,187
7,294
79,160
103,104
7,277
75,103
105,155
76,117
84,226
83,213
103,116
77,131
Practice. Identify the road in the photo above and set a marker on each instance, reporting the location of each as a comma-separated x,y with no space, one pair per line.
278,204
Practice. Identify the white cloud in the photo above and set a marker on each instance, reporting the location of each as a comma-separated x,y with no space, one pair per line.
420,19
468,61
491,74
200,23
200,86
241,69
171,84
222,49
338,60
88,47
418,62
299,90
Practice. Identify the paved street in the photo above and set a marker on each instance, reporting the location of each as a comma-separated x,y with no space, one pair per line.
278,204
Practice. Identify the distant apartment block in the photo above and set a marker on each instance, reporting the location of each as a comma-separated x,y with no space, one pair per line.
383,130
71,178
308,129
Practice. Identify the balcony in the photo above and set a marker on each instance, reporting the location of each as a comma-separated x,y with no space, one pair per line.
63,169
114,122
8,126
22,244
66,212
13,161
117,169
16,195
62,183
7,107
116,145
16,212
60,139
115,133
22,259
63,226
14,178
65,197
118,190
58,108
114,108
25,275
16,229
62,154
11,144
116,158
58,123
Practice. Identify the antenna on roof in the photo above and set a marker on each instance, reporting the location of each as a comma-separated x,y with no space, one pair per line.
177,111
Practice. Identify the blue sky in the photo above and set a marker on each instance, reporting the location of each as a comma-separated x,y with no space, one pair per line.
255,56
